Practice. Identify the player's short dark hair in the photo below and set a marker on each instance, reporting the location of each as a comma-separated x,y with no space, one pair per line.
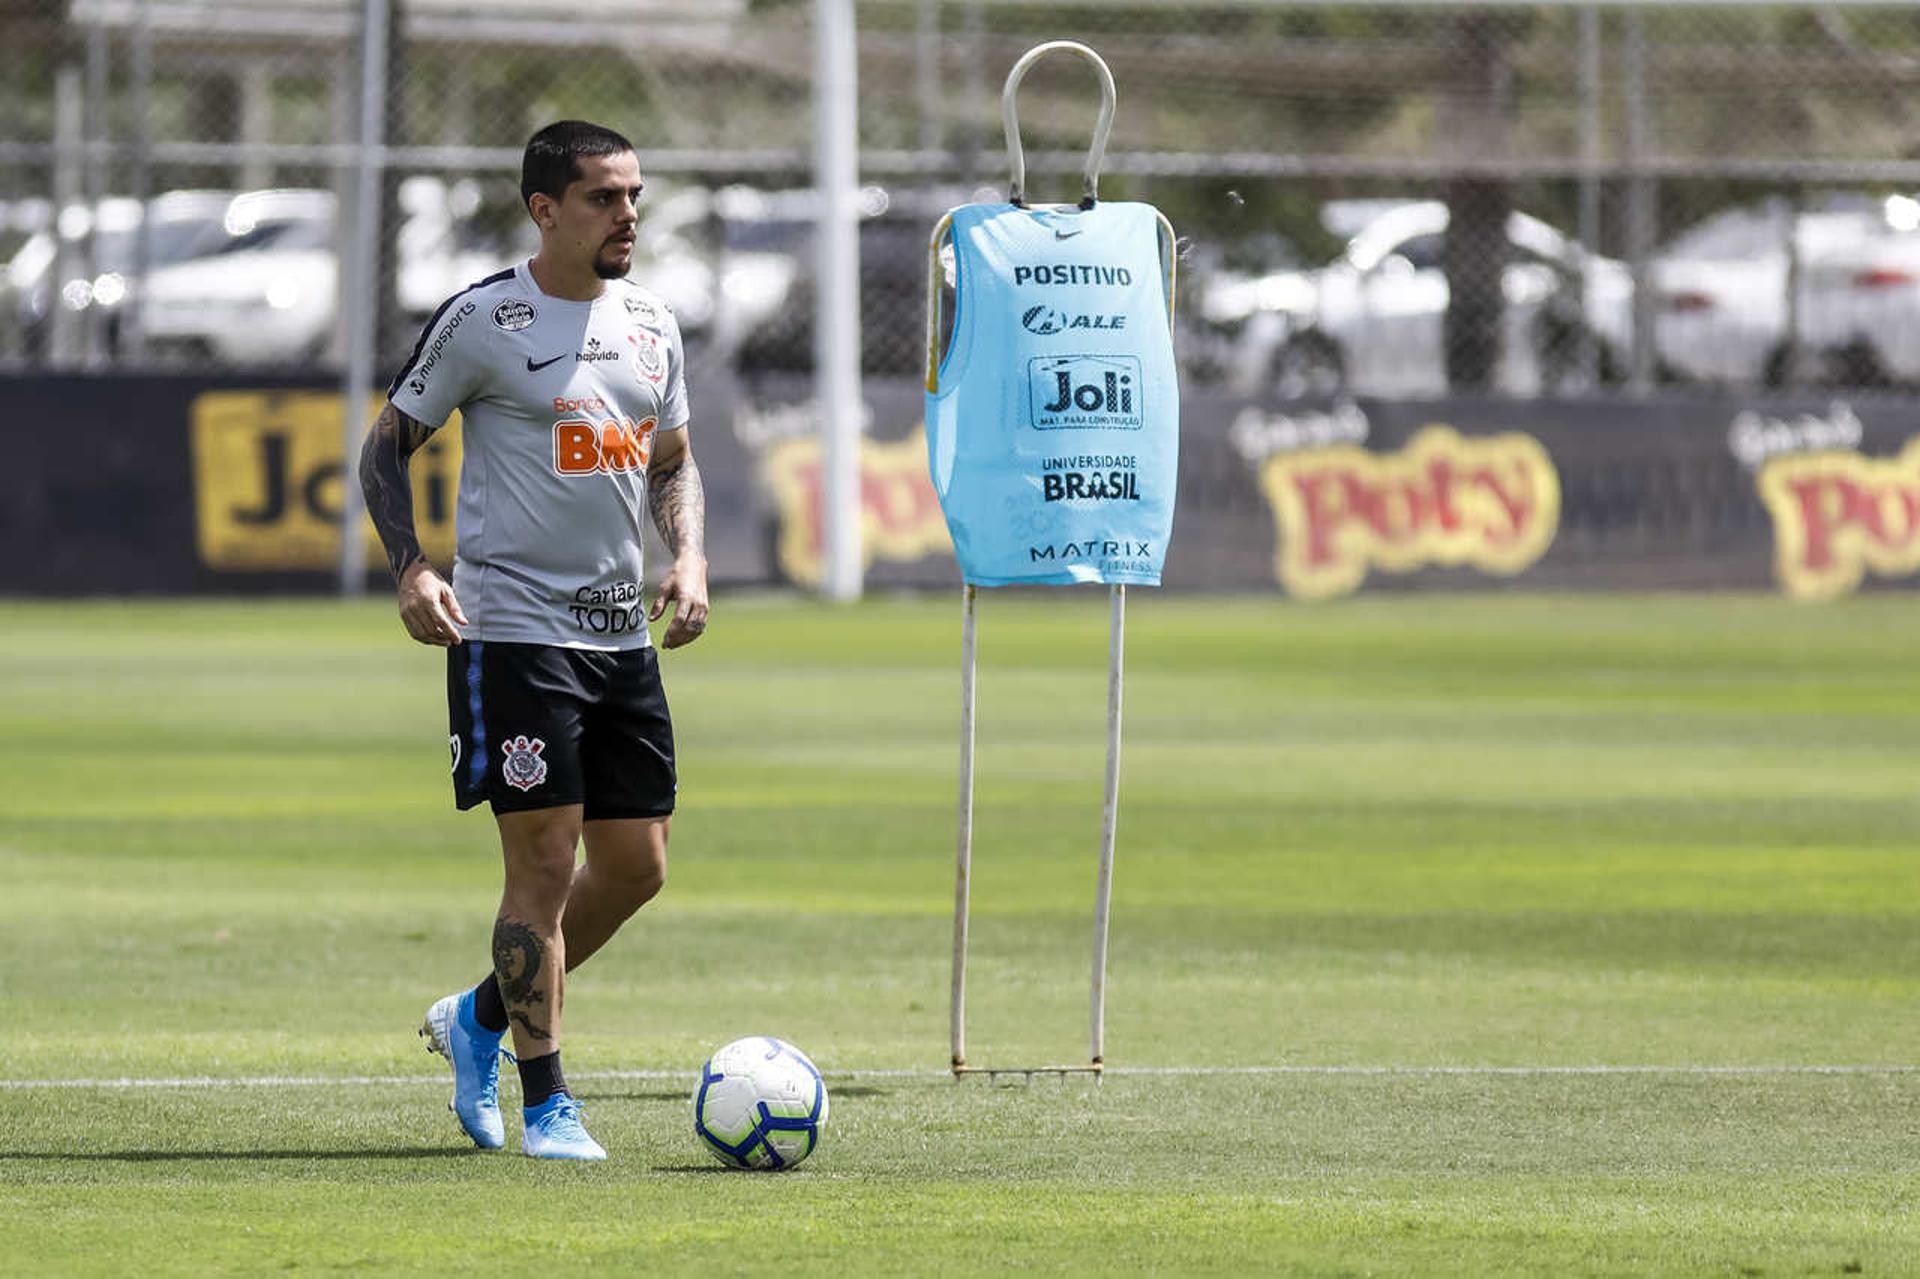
552,159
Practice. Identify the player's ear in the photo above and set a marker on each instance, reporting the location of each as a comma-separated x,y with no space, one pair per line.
540,205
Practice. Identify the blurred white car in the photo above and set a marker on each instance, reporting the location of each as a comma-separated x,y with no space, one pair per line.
270,293
264,294
733,258
440,246
106,248
1372,322
1723,312
254,278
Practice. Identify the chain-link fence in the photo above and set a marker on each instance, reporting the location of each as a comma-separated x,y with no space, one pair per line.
1395,200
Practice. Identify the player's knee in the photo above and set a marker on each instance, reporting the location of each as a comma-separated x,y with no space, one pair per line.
648,885
637,884
551,877
541,867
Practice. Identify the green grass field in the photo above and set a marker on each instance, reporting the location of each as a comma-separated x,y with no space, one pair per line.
1494,844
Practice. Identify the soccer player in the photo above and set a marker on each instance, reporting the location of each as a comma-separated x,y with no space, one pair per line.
572,395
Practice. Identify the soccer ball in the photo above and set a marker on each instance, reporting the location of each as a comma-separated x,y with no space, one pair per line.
759,1104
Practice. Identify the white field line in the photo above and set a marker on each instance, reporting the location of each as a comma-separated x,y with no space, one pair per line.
212,1082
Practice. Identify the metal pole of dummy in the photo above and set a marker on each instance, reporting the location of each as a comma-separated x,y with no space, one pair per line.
963,853
968,647
1109,816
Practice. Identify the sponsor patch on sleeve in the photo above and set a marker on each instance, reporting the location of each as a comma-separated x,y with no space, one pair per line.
648,312
514,314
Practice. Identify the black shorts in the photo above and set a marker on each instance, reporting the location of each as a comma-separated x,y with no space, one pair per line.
535,726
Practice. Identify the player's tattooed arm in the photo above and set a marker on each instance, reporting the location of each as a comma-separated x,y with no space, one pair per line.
427,606
519,963
678,503
384,460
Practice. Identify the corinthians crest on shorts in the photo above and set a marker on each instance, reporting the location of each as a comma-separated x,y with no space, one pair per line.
523,769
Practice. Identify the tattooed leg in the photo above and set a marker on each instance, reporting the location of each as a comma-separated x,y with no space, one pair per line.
521,964
529,948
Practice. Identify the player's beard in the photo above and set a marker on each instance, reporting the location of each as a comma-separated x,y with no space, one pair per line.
608,268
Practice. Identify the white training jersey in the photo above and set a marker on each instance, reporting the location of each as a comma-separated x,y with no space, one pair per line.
559,404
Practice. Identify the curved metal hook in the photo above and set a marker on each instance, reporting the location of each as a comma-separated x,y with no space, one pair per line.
1017,190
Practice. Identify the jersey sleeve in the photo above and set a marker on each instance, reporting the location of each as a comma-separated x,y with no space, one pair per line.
444,370
674,411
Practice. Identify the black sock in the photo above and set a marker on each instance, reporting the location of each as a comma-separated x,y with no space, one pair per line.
540,1078
488,1008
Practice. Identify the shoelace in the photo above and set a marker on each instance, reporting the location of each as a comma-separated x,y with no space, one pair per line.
490,1091
565,1120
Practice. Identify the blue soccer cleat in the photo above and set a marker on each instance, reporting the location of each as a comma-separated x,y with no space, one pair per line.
474,1053
553,1131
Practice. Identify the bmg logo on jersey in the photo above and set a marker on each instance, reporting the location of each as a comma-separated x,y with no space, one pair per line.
1080,392
612,447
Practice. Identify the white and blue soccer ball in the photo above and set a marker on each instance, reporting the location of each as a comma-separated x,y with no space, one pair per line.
759,1104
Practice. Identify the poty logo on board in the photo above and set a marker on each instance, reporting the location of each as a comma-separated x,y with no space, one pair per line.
1838,515
1077,392
1490,502
900,518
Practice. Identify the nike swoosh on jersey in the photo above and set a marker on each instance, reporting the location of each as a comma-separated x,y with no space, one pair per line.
1060,233
535,368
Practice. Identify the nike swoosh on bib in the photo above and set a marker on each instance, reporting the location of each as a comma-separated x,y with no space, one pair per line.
535,368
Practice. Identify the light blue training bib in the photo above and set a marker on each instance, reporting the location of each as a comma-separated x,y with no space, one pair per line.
1053,424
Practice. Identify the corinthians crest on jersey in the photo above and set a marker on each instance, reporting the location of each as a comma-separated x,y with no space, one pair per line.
649,357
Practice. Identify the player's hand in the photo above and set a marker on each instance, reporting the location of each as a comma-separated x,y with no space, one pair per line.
686,589
427,607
